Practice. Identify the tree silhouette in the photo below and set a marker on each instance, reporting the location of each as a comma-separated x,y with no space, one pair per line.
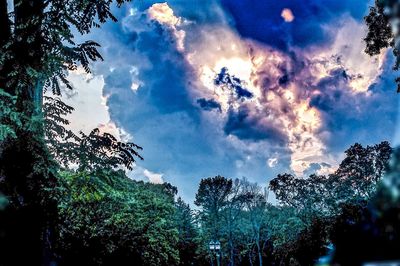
37,48
384,30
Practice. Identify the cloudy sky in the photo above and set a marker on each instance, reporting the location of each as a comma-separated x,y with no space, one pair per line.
240,88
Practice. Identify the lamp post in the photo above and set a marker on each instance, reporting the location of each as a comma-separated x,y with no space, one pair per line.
212,248
215,246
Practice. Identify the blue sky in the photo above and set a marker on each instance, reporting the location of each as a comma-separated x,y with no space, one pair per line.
243,88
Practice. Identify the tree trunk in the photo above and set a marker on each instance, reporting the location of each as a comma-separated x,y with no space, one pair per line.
5,33
231,250
5,30
25,168
251,257
259,254
259,250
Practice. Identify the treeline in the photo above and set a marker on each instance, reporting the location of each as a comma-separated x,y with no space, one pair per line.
312,216
105,218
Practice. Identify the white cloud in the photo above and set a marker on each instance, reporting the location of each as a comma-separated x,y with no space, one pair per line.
349,47
162,13
91,110
272,162
153,177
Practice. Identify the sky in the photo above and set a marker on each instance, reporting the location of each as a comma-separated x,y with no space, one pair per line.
239,88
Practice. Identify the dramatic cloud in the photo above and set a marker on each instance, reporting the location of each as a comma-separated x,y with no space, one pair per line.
209,105
204,100
247,125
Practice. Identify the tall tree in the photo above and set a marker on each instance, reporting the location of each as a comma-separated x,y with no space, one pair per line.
36,49
212,198
355,180
384,30
231,213
256,207
187,233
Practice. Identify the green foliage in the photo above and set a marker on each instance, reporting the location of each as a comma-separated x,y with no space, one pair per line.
379,35
212,197
284,225
37,50
12,120
8,116
38,38
187,233
89,152
106,217
297,231
383,31
355,180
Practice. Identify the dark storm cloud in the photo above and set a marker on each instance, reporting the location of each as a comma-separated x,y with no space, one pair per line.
246,126
333,88
232,83
315,167
262,21
209,105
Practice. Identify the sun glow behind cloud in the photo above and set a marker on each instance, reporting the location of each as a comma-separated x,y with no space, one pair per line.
285,106
282,105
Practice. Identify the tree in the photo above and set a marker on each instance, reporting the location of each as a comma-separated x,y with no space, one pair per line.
108,219
187,233
355,180
309,196
212,197
36,49
371,232
232,214
384,30
89,152
363,168
256,208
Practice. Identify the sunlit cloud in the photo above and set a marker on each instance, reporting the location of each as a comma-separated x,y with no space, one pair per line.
347,50
163,14
276,108
287,15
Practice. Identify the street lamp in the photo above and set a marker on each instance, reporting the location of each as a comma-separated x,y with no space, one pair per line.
212,245
215,246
